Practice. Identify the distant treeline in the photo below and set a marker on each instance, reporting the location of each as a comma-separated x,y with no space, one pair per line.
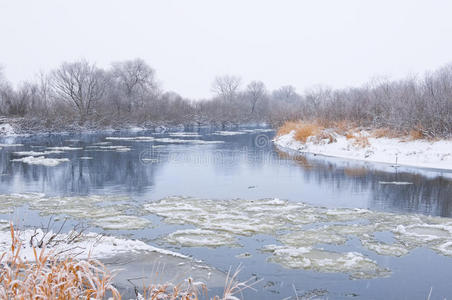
80,94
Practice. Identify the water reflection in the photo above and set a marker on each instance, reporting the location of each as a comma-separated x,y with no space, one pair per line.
428,192
245,166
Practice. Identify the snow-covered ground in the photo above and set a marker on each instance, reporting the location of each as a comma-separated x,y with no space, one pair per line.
418,153
82,246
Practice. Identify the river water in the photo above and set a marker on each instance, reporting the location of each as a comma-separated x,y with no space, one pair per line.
222,208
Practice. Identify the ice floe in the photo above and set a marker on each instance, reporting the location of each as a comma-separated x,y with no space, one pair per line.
184,134
227,133
168,140
37,153
65,148
302,230
108,212
10,145
41,160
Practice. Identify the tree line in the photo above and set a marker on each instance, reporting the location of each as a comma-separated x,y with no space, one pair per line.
127,93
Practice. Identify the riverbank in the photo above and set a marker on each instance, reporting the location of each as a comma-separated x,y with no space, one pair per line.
368,146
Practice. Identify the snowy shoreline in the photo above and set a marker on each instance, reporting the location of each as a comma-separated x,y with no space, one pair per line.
394,151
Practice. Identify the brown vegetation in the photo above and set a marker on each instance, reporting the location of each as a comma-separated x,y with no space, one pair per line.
54,277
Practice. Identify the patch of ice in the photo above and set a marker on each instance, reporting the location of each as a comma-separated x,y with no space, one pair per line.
10,145
41,160
104,211
65,148
184,134
201,238
37,153
227,133
219,222
355,264
85,157
395,182
122,223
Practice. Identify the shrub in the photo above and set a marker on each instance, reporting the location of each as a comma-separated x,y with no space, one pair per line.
287,128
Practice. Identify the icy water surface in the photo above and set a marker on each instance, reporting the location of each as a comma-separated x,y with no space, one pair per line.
305,225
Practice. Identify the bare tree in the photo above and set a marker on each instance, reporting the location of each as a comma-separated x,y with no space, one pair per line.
136,80
79,84
255,92
226,87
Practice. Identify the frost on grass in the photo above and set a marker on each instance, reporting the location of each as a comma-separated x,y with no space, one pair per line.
41,160
302,229
106,211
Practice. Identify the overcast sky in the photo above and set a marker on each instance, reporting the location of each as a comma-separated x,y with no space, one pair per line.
189,42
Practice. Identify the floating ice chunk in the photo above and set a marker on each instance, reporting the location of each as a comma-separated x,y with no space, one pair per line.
380,248
65,148
183,141
41,160
85,157
184,134
131,138
122,223
37,153
355,264
395,182
10,145
117,148
102,143
257,130
226,133
201,238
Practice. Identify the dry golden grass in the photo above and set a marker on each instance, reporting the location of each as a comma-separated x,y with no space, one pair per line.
416,134
287,127
306,130
303,130
53,277
361,141
356,172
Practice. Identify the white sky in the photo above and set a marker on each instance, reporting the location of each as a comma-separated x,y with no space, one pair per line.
189,42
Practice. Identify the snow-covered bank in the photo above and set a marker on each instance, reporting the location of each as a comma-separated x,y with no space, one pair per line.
418,153
81,245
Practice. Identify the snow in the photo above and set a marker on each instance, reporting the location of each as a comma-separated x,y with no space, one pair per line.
88,245
418,153
7,129
41,160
